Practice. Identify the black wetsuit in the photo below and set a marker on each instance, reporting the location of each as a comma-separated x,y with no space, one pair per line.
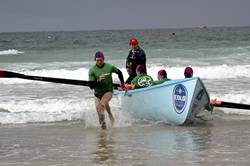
136,57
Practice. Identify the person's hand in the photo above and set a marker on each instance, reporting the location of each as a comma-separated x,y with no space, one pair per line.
102,77
129,71
123,87
130,86
129,68
129,64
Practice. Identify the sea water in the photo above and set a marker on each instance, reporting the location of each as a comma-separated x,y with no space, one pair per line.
219,56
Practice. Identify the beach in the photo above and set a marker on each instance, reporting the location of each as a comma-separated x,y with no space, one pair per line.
221,141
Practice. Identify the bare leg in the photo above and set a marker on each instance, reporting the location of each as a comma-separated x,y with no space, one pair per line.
111,117
100,113
105,102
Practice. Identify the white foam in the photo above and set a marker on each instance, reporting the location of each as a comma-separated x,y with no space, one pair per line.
40,110
10,52
53,110
207,72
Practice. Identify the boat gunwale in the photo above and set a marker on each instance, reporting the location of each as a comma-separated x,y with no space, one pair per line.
166,83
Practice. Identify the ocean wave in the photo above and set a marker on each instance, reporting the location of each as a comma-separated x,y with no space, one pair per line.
208,72
10,52
205,72
56,110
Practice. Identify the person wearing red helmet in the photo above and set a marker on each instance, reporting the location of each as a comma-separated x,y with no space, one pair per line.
188,72
135,57
133,41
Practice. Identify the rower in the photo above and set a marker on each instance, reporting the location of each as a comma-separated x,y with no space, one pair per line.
162,77
188,72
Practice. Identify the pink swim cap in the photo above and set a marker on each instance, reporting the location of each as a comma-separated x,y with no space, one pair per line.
162,73
99,55
188,72
140,69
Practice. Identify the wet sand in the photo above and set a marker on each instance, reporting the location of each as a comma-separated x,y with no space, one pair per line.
222,141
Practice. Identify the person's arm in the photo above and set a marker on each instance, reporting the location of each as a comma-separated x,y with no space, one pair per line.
128,64
92,79
127,59
120,76
142,58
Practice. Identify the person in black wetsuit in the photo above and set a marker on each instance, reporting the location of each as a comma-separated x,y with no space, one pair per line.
135,57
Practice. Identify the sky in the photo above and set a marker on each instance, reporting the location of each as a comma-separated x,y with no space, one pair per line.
71,15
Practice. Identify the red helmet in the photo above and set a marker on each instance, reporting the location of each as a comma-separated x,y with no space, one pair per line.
133,41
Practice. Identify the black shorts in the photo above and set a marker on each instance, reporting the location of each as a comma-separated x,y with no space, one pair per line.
99,96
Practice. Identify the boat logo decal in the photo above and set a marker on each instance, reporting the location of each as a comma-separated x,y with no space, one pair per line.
180,96
144,81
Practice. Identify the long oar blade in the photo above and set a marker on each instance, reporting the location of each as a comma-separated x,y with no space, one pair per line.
229,105
8,74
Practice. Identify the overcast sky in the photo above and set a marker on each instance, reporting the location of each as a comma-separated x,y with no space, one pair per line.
54,15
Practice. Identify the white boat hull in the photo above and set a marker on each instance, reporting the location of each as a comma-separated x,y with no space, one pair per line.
174,102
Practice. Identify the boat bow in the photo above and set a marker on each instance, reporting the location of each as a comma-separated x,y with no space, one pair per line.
175,102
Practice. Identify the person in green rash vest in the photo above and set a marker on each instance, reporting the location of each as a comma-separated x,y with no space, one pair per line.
162,77
103,90
142,79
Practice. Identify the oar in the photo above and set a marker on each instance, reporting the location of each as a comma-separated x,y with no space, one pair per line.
218,103
8,74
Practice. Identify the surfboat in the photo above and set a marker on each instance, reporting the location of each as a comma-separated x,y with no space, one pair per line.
176,102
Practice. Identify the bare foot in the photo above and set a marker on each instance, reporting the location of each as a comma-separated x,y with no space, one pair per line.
112,120
102,120
103,125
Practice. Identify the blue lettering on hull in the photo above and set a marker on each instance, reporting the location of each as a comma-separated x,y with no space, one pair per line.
180,96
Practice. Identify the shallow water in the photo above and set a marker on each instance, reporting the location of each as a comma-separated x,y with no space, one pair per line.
54,124
219,56
221,141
